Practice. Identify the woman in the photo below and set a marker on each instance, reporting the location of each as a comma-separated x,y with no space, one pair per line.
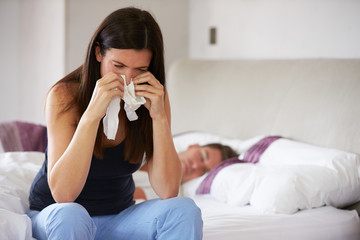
85,187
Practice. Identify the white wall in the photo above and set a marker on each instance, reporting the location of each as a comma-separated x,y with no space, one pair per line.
42,40
84,16
275,28
32,56
9,59
47,39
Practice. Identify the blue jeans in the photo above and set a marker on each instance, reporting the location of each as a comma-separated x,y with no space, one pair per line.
175,218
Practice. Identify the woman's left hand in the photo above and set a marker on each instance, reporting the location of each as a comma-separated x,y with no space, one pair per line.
146,85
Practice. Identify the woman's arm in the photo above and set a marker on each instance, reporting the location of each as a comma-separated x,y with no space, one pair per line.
69,147
71,140
164,167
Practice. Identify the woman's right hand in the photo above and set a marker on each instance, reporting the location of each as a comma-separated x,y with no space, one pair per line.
106,88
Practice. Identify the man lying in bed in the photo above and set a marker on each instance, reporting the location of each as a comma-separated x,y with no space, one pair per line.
196,160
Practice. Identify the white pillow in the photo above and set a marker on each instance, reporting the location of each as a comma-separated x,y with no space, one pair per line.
188,189
291,176
302,176
234,184
290,152
287,189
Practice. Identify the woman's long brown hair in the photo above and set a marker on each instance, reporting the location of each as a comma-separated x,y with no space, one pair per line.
126,28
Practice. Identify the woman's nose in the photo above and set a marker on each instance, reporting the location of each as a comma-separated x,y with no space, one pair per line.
128,76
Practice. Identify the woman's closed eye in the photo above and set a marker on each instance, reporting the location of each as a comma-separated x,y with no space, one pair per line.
119,66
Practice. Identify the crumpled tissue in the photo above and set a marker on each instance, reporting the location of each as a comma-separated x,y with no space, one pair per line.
132,102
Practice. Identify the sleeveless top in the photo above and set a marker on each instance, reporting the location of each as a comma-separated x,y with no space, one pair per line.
109,187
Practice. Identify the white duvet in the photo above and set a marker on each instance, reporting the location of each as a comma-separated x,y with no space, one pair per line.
278,184
17,171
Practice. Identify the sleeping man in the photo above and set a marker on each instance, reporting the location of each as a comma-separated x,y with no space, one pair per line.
196,160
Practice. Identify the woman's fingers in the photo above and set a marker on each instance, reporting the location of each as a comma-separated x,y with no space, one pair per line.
146,79
109,86
140,89
147,83
110,80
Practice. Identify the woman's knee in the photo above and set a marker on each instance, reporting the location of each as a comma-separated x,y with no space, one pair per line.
68,211
71,218
182,218
185,207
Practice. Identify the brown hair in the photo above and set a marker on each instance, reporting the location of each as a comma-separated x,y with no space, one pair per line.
126,28
226,151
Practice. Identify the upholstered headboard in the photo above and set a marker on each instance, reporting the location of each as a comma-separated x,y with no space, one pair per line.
311,100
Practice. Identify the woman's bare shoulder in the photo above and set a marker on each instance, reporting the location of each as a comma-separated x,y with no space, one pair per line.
62,93
61,101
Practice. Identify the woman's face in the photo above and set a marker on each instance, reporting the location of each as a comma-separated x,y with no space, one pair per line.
128,62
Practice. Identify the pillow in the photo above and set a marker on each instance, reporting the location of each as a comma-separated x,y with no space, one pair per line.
290,176
23,136
254,153
306,176
206,184
188,189
291,152
287,189
234,184
230,182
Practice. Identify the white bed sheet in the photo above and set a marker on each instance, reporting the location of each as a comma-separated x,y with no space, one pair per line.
221,221
224,222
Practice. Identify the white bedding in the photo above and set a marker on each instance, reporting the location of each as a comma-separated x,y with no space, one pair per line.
228,215
225,222
17,171
221,221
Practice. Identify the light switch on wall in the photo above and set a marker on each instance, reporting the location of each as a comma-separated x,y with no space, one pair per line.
213,35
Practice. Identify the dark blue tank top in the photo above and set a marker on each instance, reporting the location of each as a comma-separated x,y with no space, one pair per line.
109,188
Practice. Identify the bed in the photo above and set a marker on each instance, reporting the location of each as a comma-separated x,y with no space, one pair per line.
298,118
312,105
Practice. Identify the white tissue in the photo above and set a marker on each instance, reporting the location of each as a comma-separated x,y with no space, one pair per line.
132,102
111,119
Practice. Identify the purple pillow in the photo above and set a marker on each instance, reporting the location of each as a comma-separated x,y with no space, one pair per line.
23,136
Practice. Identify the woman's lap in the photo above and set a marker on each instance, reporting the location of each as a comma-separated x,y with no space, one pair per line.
175,218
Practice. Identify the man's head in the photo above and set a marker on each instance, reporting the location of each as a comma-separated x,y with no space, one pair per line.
198,160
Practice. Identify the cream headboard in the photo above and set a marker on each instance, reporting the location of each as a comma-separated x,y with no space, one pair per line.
314,101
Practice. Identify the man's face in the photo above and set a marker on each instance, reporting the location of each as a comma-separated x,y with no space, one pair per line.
196,161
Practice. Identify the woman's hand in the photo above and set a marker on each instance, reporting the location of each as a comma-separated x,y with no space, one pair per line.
146,85
106,88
